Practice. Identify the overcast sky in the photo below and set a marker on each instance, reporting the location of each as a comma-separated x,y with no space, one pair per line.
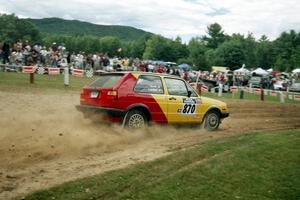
170,18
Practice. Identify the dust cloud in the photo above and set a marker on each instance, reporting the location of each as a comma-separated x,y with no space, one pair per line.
43,127
45,141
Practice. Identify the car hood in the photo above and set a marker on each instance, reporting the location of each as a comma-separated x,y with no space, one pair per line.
209,102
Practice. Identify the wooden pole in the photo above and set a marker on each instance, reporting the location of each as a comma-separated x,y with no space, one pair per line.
31,78
262,96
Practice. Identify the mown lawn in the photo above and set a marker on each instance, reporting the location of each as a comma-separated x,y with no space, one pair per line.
260,166
249,96
20,81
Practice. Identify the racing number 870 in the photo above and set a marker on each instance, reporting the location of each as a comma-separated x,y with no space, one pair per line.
189,109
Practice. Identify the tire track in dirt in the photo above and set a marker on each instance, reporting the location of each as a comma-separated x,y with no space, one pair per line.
44,141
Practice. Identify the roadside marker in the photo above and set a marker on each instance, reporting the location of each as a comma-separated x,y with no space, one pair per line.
53,71
78,72
257,91
273,93
89,73
40,70
234,88
204,88
297,97
29,70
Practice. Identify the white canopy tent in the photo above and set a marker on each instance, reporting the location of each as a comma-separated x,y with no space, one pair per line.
260,71
242,71
296,71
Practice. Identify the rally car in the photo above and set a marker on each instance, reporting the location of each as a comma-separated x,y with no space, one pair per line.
136,99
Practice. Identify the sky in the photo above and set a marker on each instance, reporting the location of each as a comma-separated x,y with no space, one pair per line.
170,18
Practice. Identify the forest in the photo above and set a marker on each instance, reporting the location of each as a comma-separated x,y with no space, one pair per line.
215,48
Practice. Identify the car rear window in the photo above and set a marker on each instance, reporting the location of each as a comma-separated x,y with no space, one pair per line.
106,81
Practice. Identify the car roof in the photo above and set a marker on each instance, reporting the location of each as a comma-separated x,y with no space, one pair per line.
156,74
141,73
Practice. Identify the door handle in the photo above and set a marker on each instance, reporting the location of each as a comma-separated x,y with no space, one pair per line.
172,98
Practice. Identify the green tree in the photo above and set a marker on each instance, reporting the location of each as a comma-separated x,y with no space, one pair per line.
295,58
137,47
286,49
265,53
281,63
154,48
177,50
216,35
250,46
160,48
197,48
184,60
13,28
110,45
230,54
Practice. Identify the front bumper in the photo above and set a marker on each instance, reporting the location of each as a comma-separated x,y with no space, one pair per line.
224,115
101,110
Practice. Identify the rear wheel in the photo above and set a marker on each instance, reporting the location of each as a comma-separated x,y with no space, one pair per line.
212,120
135,119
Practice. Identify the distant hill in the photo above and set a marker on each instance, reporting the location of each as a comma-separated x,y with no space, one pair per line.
75,27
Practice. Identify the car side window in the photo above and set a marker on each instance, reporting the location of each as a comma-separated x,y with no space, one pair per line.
176,87
149,84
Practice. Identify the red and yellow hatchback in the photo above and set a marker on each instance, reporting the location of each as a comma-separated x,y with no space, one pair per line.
137,98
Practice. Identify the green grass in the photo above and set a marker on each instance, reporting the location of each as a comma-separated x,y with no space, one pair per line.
252,166
248,96
20,81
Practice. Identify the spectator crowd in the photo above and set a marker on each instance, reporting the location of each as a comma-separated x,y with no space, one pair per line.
17,54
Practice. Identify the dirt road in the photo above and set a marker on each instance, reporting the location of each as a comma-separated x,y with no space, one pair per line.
44,141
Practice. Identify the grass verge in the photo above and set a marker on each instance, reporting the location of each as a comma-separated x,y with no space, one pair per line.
252,166
20,82
249,96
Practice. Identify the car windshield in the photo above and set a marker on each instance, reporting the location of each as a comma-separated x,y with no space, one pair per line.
106,81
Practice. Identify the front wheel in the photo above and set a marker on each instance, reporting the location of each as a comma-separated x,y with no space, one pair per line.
212,120
135,119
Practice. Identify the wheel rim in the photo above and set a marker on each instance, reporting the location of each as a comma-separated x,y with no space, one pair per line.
136,121
212,120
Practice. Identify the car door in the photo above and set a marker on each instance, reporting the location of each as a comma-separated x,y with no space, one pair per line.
181,108
149,91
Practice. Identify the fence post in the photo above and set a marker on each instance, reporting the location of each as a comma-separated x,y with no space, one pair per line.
31,78
250,88
213,90
281,97
242,92
220,90
66,76
199,88
262,95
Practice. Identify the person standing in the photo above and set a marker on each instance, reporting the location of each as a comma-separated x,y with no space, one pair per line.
26,51
5,52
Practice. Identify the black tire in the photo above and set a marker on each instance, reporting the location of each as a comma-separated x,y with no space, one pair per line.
135,119
212,120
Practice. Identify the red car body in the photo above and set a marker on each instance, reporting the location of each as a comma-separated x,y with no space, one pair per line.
148,96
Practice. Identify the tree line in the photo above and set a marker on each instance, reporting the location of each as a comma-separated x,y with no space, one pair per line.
216,48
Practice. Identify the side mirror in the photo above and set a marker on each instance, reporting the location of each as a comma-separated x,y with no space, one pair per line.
189,93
